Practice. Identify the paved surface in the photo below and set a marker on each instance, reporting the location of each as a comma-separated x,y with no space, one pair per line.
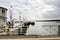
30,37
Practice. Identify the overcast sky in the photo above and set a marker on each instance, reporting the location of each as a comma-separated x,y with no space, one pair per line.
35,9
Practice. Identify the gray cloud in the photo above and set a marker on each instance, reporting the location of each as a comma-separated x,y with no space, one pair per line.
52,2
53,14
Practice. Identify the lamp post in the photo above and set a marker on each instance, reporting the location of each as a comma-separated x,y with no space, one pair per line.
20,29
21,24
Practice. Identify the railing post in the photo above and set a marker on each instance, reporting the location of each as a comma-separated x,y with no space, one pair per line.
58,30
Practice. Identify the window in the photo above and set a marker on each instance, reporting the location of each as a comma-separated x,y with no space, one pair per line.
3,11
3,20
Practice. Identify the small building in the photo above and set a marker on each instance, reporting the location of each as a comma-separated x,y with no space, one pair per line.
45,27
3,15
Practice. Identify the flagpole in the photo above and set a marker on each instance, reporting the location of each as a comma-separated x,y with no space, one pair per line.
11,15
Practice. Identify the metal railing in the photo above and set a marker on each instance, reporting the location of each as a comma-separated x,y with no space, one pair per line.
15,31
48,29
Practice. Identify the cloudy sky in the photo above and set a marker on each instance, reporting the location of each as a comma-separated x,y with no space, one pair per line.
35,9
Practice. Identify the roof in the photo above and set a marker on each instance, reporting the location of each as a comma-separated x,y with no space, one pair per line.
3,8
47,20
